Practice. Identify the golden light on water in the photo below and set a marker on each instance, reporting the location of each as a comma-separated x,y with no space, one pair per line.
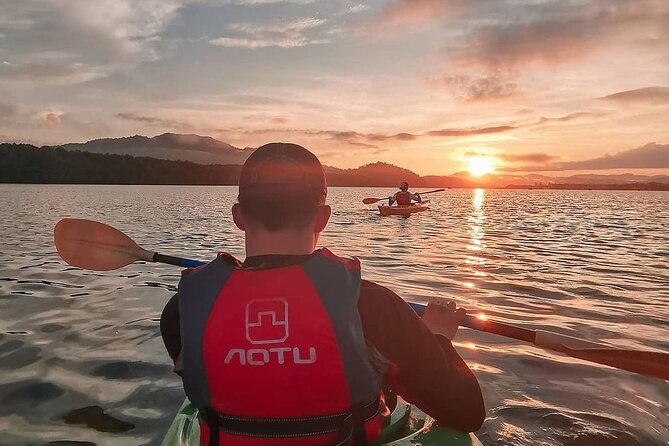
469,345
478,367
480,165
476,243
482,317
477,203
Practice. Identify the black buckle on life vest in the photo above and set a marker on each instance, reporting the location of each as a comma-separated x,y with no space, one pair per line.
349,424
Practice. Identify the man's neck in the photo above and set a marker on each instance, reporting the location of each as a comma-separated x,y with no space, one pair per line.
279,243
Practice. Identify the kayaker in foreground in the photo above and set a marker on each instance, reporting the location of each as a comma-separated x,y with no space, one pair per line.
404,197
291,346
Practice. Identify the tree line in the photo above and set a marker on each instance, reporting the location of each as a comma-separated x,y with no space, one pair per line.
25,163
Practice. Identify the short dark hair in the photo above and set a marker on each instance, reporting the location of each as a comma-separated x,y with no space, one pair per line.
282,186
279,210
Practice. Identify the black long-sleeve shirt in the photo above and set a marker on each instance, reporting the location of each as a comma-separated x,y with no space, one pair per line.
428,371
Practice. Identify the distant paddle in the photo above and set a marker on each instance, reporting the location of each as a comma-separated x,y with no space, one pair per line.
374,200
91,245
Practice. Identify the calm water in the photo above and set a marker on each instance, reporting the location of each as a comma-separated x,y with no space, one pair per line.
81,358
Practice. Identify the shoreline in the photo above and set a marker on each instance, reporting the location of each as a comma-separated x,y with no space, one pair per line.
656,187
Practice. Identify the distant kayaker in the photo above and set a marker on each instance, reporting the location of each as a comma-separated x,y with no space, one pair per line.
291,346
404,197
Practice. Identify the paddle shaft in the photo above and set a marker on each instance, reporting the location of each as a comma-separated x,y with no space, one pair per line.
374,200
430,191
185,263
648,363
498,328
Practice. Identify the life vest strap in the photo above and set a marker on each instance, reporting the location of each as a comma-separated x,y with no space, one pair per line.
344,422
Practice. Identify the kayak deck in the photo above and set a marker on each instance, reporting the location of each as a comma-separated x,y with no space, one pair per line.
404,210
407,426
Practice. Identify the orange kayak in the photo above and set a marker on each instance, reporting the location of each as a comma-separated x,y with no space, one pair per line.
404,210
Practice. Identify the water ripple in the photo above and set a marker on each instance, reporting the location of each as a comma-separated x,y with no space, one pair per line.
83,363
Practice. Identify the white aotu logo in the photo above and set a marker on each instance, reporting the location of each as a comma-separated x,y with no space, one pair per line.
266,322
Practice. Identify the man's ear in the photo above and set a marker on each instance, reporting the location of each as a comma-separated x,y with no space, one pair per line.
322,218
237,216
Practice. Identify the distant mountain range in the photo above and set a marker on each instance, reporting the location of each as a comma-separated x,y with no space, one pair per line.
192,159
168,146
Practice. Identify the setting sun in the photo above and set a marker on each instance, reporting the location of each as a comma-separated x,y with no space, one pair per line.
480,165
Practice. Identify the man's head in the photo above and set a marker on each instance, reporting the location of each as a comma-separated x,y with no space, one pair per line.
404,186
282,187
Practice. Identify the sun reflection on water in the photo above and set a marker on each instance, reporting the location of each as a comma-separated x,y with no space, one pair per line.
476,243
479,196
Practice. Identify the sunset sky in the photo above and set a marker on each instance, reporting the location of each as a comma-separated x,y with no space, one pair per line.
545,86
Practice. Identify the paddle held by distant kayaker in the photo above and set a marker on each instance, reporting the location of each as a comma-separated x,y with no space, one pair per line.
291,346
404,197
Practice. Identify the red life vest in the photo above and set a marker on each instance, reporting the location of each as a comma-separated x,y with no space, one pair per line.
403,198
278,356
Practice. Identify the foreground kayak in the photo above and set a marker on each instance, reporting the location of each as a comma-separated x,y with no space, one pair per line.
408,425
404,210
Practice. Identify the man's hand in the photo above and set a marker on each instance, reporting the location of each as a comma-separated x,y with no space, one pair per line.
442,317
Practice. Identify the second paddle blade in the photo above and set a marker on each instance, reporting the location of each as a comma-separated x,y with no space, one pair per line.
92,245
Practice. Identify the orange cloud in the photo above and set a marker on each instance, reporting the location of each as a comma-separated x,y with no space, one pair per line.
650,156
368,140
654,95
536,158
265,117
483,87
471,131
569,117
527,157
404,12
513,47
563,33
154,121
548,34
398,136
52,119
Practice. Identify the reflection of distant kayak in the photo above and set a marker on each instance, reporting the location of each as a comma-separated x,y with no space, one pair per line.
404,210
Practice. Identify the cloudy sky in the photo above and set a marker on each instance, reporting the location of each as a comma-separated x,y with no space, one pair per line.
550,86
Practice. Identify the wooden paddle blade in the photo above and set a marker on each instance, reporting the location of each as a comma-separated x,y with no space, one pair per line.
92,245
372,200
648,363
